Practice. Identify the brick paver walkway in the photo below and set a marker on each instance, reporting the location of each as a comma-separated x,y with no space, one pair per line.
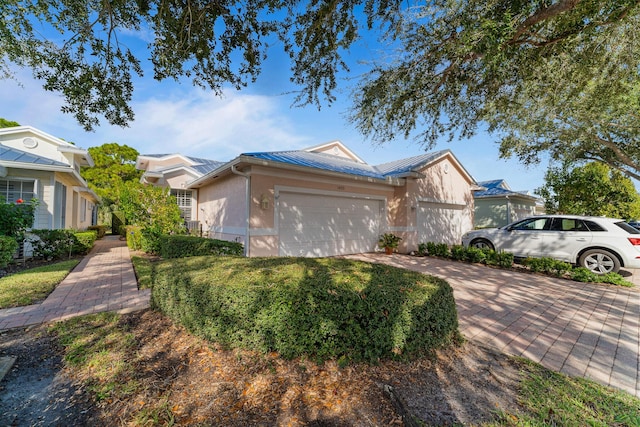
103,281
579,329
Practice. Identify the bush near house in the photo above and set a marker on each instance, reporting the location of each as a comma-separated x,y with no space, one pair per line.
186,246
8,247
101,230
543,265
57,244
320,308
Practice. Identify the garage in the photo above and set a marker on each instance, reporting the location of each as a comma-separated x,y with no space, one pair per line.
316,225
443,222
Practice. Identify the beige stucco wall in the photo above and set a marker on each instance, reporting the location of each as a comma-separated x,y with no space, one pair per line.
444,182
223,208
226,211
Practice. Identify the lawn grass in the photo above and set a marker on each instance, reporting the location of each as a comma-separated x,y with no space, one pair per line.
33,285
554,399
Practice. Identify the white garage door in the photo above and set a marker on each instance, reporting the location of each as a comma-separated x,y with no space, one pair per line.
315,225
442,223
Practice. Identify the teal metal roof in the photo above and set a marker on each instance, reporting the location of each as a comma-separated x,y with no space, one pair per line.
9,154
332,163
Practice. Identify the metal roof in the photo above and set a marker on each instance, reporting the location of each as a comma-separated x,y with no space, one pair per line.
9,154
332,163
498,188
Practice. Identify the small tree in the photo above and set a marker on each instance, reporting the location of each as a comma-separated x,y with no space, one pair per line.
152,208
592,189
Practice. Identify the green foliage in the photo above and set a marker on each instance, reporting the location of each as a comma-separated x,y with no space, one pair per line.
115,165
437,249
4,123
389,240
57,244
84,241
8,247
118,222
557,79
187,246
593,189
100,230
154,210
16,218
422,249
547,265
552,399
134,237
320,308
581,274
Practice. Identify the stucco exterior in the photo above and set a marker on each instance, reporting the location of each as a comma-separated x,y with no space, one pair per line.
241,201
497,205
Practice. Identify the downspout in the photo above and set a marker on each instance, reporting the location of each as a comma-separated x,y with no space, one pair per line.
509,219
248,206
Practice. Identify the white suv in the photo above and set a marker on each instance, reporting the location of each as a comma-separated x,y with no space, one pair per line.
600,244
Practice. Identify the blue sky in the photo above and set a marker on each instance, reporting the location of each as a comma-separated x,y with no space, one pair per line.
180,118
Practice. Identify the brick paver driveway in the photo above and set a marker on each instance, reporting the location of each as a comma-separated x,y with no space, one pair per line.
579,329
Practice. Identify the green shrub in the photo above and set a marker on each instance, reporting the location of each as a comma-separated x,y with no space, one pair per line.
186,246
503,259
101,230
151,239
84,242
118,223
320,308
52,244
614,279
134,237
57,244
582,274
547,265
438,249
8,247
422,249
458,252
475,255
16,218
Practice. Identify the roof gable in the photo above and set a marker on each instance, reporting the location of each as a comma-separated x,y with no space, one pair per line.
335,148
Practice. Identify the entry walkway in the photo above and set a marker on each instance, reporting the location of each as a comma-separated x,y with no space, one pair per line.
579,329
103,281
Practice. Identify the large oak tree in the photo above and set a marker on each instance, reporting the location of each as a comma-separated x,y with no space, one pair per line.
556,76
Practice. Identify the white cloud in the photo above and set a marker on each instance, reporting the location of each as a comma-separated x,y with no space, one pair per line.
192,122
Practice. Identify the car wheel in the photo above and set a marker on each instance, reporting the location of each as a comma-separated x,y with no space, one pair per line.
482,244
599,261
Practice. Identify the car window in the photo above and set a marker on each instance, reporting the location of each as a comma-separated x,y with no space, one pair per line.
626,227
568,224
594,226
531,224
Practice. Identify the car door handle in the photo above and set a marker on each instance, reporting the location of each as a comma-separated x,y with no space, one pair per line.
581,239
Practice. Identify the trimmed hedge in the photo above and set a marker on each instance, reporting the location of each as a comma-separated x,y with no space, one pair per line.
178,246
56,244
101,230
321,308
8,247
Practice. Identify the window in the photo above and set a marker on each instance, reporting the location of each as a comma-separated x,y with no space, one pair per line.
184,198
14,190
531,224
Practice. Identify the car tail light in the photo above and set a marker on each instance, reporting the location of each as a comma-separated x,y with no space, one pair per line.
635,241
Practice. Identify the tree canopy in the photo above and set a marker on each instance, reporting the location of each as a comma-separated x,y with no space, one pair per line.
115,165
592,189
556,76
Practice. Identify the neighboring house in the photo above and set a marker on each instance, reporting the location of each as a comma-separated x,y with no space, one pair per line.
36,165
325,200
174,171
497,205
